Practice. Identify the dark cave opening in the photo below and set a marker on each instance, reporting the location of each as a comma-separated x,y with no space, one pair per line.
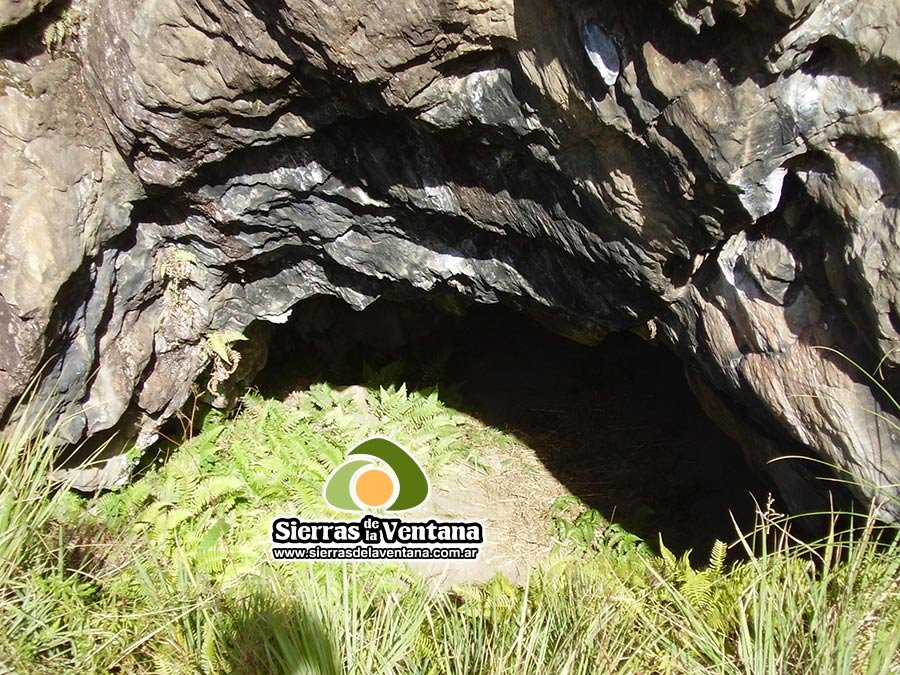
616,423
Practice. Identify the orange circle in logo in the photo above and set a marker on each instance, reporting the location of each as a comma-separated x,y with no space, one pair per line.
374,487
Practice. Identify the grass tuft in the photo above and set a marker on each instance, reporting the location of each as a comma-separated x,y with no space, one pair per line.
172,575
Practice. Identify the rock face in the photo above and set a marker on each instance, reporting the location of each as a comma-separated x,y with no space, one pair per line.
16,11
723,175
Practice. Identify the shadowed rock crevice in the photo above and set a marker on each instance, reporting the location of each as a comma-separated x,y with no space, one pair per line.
616,424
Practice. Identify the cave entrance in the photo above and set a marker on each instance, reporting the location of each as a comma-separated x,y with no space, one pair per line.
615,425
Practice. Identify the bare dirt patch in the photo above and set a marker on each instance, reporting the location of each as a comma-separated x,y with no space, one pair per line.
510,493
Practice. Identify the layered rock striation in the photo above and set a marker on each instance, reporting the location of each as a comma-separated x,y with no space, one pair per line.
722,175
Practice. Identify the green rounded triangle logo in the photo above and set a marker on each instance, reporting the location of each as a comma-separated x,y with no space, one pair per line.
378,474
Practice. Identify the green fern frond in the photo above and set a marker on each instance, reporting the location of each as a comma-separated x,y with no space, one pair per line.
220,344
323,395
213,489
668,559
717,557
697,588
392,402
210,561
209,658
137,495
168,663
306,498
420,411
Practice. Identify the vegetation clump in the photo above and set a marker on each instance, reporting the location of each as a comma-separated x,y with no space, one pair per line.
172,574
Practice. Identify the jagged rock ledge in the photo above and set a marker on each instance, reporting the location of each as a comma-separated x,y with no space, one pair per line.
722,176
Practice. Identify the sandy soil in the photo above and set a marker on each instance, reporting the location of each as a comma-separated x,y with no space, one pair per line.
511,497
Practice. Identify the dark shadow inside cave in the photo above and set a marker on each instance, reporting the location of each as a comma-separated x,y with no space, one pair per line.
616,424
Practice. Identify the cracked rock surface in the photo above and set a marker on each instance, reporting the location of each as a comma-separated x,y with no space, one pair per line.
724,172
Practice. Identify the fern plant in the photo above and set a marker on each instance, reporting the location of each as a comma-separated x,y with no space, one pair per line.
64,28
696,585
213,500
709,594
